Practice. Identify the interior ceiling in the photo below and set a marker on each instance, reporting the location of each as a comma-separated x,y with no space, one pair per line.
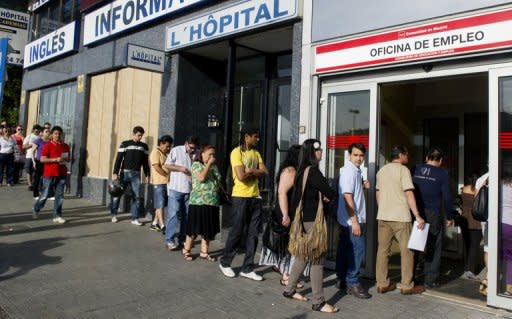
469,92
270,41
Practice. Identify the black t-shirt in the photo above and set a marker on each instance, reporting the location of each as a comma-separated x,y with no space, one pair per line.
316,182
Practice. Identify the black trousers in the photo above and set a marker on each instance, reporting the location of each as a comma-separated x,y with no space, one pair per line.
472,239
433,248
246,224
36,180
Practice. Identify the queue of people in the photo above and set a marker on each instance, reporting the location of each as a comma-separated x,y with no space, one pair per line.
186,185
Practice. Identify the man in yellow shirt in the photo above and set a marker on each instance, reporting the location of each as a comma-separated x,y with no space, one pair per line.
247,166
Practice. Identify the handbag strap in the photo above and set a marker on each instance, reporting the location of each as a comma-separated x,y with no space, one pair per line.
298,210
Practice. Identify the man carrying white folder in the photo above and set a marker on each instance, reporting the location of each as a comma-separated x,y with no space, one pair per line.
431,188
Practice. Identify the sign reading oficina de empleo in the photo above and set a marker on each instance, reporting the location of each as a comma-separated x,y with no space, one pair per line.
235,18
476,34
57,43
122,15
14,26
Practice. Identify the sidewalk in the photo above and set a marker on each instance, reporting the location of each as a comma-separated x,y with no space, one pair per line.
92,268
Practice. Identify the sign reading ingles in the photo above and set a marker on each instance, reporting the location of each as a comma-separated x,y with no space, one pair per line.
122,15
145,58
51,45
239,17
477,33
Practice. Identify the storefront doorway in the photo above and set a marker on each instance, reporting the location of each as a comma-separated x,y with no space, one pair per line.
456,109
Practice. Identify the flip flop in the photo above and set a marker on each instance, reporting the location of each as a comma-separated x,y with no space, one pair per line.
321,308
294,295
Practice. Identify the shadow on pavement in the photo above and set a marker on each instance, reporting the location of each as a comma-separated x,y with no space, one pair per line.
25,256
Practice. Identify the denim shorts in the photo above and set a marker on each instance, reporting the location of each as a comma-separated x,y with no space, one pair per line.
159,196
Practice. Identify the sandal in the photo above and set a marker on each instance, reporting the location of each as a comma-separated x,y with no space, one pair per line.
186,254
294,295
483,287
284,283
207,257
324,307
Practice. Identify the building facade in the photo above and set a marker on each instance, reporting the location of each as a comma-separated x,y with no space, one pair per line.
423,75
205,68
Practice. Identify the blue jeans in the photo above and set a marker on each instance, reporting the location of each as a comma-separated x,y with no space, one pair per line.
7,164
159,196
131,178
349,255
177,204
57,182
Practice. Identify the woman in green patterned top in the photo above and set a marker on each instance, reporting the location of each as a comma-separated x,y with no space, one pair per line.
203,215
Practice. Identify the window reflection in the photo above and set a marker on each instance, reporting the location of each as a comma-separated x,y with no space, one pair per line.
505,205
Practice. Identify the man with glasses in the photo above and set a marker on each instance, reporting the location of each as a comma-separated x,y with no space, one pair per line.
395,197
54,156
131,156
179,163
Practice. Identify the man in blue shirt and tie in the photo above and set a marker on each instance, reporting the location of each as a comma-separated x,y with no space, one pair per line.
351,216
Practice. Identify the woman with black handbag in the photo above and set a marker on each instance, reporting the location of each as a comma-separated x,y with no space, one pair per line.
308,232
275,237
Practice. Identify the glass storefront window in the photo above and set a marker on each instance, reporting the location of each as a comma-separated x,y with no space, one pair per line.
349,119
52,16
505,186
57,106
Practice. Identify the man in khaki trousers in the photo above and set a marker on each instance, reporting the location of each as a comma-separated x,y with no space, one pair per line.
395,197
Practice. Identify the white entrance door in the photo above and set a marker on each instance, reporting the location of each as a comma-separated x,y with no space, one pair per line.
500,188
349,115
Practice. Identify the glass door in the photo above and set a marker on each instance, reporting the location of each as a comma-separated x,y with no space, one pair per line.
349,115
500,188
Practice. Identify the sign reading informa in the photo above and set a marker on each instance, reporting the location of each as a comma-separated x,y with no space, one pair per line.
239,17
14,26
60,41
145,58
473,34
122,15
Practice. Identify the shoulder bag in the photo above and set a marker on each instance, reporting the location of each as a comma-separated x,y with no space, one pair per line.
480,209
310,245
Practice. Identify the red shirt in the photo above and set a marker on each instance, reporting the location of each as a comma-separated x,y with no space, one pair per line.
54,150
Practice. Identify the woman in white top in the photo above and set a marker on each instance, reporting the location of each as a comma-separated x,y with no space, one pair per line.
7,145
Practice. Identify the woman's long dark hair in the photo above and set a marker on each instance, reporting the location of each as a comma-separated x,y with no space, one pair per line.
307,158
291,160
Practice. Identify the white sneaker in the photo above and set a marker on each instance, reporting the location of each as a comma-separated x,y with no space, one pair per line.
51,198
59,220
114,219
36,198
251,275
136,222
227,271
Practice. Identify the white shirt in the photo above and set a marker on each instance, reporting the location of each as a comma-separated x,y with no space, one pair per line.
178,181
481,181
7,145
29,140
351,182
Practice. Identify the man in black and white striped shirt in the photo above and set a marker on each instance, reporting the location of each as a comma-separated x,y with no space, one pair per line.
131,156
